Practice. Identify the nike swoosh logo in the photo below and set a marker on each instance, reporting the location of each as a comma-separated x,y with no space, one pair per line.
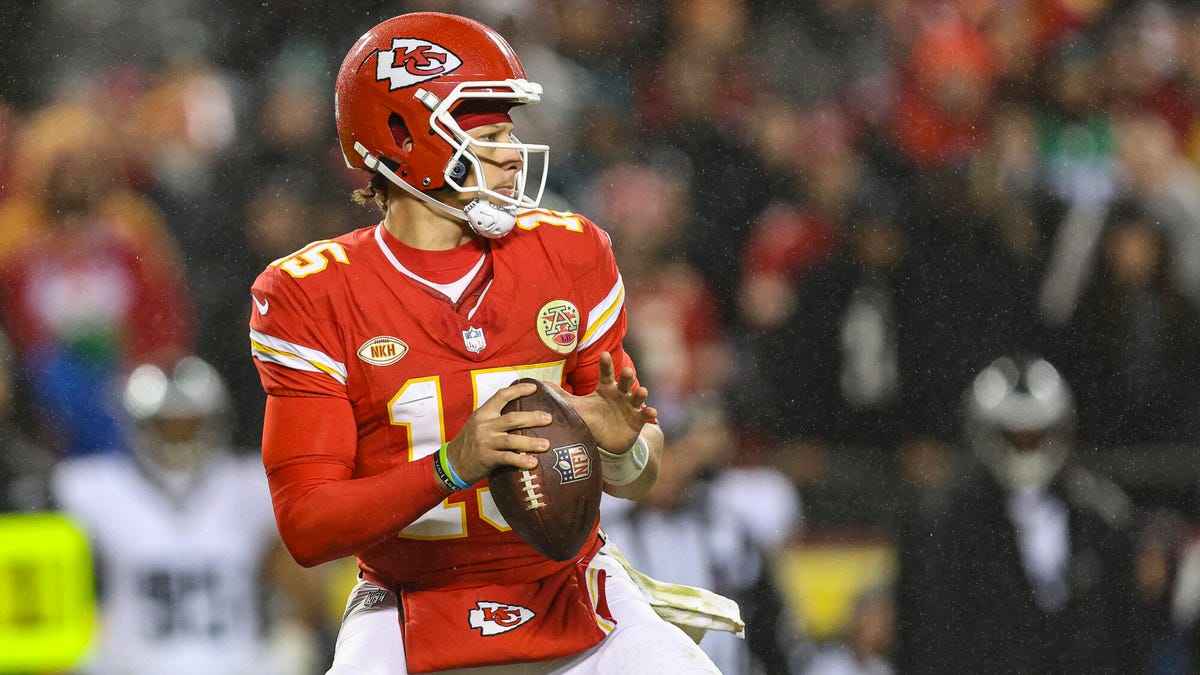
262,306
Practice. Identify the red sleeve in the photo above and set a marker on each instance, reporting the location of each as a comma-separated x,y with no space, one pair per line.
604,318
323,513
296,342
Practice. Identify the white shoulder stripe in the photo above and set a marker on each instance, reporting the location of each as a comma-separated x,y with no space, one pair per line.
281,352
604,315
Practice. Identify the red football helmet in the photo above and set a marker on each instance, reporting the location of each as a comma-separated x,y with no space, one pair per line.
408,79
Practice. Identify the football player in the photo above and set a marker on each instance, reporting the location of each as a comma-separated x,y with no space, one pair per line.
184,537
1026,564
388,353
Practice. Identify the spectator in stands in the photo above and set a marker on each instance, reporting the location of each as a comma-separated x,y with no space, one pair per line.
1168,604
839,369
1075,127
815,173
941,112
1028,566
1157,175
94,287
1020,222
697,97
1182,571
824,50
1177,98
1130,345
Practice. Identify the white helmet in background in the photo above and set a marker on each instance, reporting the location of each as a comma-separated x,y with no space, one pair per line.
1020,420
182,415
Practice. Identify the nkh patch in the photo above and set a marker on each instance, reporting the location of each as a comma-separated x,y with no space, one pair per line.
573,463
474,340
383,350
493,618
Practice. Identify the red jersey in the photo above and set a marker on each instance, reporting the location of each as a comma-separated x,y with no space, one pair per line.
342,318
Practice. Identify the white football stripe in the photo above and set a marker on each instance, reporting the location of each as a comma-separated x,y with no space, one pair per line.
604,315
271,349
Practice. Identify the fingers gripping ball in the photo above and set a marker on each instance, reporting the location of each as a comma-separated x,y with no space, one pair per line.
555,505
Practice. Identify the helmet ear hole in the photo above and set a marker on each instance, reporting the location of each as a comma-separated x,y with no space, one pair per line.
400,135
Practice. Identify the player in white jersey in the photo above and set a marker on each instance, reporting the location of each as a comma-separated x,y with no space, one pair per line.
182,531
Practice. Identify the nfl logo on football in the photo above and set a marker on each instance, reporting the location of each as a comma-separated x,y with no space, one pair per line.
573,463
474,340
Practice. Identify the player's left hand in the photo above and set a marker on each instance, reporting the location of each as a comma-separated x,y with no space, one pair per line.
616,412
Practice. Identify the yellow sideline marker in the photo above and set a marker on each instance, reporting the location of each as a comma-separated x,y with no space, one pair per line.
47,594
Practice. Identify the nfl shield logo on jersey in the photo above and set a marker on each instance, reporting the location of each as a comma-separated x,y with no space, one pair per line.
573,463
474,340
374,598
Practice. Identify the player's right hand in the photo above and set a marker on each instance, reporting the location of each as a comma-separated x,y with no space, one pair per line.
485,443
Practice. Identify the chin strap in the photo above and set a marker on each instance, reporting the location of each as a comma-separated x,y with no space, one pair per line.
484,218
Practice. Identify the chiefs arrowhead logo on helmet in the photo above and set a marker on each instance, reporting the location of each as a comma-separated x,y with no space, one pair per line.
411,61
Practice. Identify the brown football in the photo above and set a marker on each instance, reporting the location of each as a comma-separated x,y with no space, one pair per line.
554,506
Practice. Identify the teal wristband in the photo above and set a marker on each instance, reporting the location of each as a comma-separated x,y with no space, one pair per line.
446,472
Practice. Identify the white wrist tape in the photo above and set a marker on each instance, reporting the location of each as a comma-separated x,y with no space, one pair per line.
625,468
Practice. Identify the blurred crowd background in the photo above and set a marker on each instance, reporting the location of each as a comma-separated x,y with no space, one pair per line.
830,216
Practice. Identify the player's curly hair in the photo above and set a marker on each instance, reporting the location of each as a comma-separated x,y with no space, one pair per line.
376,192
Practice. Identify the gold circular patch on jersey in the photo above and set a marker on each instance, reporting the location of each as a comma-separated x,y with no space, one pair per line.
558,325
